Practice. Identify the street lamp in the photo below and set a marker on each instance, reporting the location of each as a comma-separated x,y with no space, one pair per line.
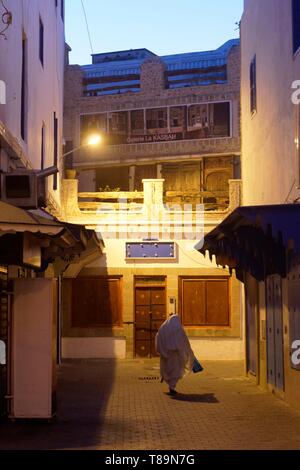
91,141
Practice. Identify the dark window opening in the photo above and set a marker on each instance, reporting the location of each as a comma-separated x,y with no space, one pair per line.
253,90
23,89
296,24
55,156
17,186
112,179
41,44
221,119
63,10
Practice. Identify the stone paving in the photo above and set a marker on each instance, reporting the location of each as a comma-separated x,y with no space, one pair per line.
121,405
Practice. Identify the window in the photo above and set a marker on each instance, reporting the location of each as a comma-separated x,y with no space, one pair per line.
296,24
198,117
219,120
157,119
178,118
207,121
24,89
55,151
96,302
137,121
204,302
118,123
62,10
41,42
253,91
43,147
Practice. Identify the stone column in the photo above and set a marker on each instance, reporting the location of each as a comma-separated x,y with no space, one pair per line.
69,198
131,178
153,197
235,194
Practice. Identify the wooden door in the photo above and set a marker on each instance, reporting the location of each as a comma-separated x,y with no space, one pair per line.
275,332
150,313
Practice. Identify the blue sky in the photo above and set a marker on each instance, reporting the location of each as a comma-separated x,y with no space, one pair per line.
163,26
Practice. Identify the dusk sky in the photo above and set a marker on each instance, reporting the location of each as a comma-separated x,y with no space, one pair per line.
163,26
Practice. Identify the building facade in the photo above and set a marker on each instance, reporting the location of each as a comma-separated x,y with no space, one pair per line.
32,61
271,158
34,246
260,239
167,171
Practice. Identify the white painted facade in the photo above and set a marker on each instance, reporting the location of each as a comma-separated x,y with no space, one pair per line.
270,165
208,343
44,83
270,157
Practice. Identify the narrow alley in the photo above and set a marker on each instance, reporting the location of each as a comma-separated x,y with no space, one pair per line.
122,405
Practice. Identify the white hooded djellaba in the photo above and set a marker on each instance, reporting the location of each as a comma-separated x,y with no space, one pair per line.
176,355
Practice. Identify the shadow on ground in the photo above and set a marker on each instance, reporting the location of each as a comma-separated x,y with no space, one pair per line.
84,388
195,398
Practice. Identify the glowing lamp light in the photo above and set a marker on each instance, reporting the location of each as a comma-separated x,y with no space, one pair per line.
94,140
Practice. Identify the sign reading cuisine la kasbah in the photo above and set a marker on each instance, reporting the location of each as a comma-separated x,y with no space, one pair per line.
168,124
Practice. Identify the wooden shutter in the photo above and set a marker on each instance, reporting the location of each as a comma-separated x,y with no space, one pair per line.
205,302
193,312
144,172
217,305
96,302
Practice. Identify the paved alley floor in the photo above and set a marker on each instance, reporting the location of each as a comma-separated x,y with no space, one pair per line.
122,405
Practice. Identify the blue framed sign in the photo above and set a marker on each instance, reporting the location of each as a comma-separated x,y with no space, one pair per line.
150,250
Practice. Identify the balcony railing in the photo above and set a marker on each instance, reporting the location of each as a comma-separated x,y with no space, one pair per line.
145,151
97,201
127,214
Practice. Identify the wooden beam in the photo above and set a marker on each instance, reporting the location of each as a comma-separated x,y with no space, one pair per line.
108,205
113,195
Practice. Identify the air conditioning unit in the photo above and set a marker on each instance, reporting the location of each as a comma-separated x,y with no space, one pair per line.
25,189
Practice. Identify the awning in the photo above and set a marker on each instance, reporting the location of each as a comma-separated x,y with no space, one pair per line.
36,238
14,220
256,239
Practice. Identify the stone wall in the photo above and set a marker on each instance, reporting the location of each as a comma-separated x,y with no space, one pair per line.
153,94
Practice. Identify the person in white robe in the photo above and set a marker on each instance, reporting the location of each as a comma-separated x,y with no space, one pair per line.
174,349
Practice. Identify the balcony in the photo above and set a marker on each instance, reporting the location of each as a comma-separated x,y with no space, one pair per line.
128,214
93,202
127,153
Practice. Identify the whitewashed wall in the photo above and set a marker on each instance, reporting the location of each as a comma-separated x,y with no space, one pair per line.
269,161
45,84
